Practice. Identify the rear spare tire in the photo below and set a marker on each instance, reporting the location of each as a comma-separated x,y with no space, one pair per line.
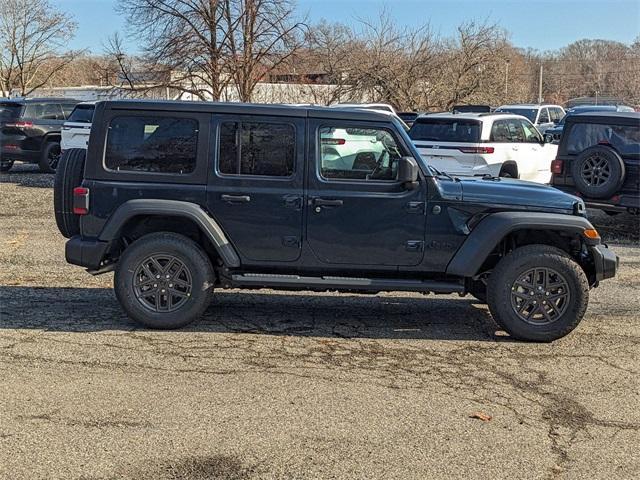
69,175
598,172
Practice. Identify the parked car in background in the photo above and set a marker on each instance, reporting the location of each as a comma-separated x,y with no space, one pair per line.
500,145
542,116
599,160
472,109
408,117
556,131
30,131
76,130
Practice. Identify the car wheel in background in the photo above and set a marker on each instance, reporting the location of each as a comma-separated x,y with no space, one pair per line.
69,175
50,157
164,280
538,293
6,165
598,172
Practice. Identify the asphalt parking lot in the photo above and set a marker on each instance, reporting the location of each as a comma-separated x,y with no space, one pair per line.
302,385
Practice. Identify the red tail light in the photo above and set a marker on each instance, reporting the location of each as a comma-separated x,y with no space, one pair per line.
333,141
557,166
20,124
476,149
80,200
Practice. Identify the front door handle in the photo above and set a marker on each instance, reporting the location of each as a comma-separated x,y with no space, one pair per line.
235,198
323,202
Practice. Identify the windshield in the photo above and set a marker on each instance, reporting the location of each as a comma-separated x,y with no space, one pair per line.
82,114
446,130
530,113
9,111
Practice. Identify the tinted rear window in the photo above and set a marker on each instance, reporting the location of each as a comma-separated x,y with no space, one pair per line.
252,148
9,111
152,144
624,138
82,114
446,130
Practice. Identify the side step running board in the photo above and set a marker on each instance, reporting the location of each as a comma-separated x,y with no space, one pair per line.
344,283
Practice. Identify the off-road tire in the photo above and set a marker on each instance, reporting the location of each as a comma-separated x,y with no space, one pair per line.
44,162
609,160
186,251
515,264
69,175
5,166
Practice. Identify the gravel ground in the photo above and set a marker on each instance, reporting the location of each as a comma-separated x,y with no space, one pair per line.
302,385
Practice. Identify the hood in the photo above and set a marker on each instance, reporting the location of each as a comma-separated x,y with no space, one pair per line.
506,193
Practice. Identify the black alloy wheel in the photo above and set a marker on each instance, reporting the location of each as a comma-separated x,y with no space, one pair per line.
540,296
162,283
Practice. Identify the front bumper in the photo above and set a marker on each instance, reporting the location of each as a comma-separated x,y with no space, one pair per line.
605,261
86,253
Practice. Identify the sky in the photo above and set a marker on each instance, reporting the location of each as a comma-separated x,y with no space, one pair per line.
539,24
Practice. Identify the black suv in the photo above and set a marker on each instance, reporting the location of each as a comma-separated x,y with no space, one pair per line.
30,131
599,160
181,198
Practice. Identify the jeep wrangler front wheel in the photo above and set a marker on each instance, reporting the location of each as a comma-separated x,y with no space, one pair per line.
164,280
538,293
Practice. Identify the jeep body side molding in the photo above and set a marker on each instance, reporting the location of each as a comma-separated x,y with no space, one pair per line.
173,208
492,229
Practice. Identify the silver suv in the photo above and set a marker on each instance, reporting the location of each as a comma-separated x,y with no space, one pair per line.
543,116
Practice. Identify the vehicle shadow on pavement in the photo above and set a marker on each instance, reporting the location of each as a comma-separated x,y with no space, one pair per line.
288,314
25,175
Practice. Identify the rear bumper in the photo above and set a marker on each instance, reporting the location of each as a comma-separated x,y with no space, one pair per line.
85,253
11,154
606,262
620,202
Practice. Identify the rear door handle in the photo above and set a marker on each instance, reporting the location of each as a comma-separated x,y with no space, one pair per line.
323,202
235,198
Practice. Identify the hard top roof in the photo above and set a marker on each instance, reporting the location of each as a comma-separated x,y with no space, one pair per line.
583,117
248,108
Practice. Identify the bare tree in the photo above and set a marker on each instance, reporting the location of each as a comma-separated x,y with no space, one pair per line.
203,46
33,35
182,37
261,36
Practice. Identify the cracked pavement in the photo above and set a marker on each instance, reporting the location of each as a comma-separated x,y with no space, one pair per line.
273,385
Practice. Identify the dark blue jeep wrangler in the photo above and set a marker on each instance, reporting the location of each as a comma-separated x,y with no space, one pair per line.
182,198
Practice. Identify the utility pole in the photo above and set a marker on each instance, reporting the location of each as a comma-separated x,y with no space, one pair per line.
506,79
540,86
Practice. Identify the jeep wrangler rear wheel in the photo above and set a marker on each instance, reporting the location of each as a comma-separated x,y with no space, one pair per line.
538,293
164,280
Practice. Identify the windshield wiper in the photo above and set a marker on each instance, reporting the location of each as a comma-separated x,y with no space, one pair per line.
444,174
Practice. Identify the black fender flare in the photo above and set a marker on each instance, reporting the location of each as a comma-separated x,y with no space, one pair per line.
173,208
492,229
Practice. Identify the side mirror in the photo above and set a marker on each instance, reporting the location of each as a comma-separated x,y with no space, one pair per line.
408,172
